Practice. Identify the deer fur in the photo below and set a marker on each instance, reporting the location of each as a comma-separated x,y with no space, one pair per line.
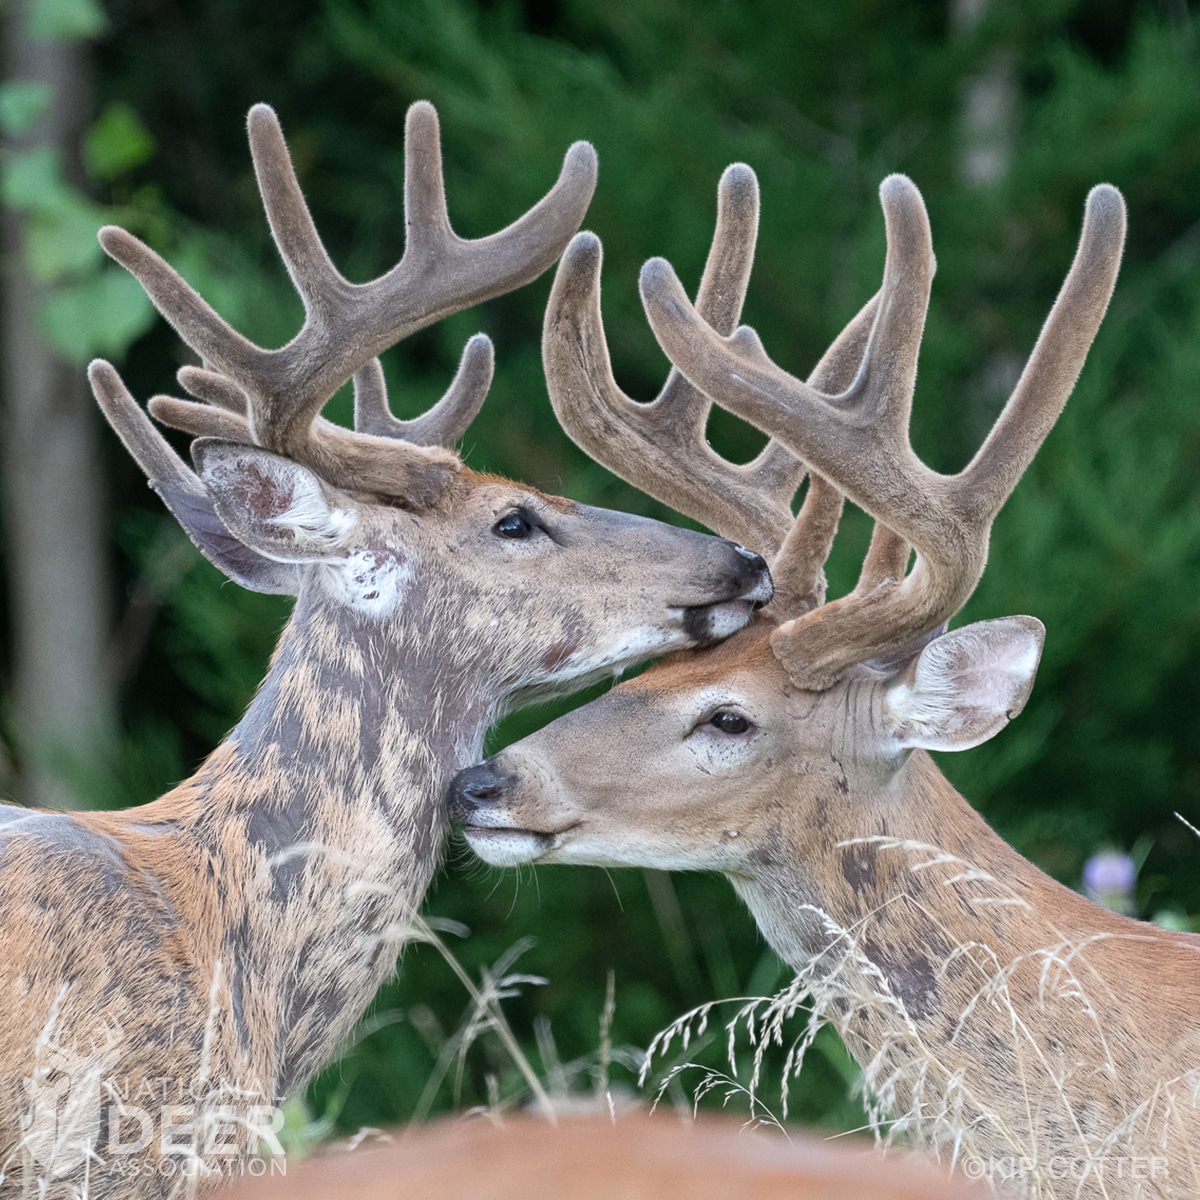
636,1156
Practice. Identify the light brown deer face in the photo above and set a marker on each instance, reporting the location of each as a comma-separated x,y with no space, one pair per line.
565,593
718,761
532,592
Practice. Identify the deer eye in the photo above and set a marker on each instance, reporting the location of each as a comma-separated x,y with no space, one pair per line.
732,723
516,524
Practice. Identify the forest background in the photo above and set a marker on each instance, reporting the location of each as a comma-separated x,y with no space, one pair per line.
129,657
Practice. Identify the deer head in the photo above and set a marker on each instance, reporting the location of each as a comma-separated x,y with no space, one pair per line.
760,750
384,522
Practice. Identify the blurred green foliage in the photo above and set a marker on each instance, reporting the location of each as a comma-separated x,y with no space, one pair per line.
91,306
1101,540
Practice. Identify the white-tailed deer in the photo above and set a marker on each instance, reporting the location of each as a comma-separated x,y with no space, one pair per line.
167,973
998,1014
634,1157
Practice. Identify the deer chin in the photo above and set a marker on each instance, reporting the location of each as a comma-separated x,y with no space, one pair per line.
506,847
704,624
709,623
690,627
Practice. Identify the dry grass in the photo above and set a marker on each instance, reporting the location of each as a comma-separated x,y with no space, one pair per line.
919,1091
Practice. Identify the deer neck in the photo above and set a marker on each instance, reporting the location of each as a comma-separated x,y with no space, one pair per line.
880,850
991,1004
322,815
876,874
356,718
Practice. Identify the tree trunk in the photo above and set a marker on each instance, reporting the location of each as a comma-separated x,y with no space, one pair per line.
989,110
54,498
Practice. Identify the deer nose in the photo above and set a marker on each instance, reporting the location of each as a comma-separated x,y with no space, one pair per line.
754,575
475,788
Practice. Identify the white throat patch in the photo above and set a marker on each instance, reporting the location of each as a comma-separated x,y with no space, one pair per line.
369,583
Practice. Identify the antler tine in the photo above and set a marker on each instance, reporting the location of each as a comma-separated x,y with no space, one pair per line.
1056,360
200,420
148,448
859,440
798,570
446,422
222,413
213,388
726,276
424,188
196,322
180,488
346,325
661,447
308,263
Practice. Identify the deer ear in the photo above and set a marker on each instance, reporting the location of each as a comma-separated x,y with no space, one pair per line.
194,510
274,505
965,686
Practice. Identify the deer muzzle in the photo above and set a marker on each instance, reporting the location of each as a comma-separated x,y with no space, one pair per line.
750,587
479,799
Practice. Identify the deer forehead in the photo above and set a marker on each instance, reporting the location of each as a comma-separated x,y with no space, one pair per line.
741,672
489,495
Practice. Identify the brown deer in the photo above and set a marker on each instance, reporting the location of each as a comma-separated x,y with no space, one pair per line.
999,1016
169,972
637,1156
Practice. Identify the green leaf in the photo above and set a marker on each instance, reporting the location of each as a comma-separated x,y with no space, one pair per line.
60,234
62,240
116,143
64,20
101,314
33,180
22,101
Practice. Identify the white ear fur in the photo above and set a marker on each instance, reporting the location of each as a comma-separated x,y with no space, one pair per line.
274,505
965,686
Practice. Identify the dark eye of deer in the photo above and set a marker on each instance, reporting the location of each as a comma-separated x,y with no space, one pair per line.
730,722
516,524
